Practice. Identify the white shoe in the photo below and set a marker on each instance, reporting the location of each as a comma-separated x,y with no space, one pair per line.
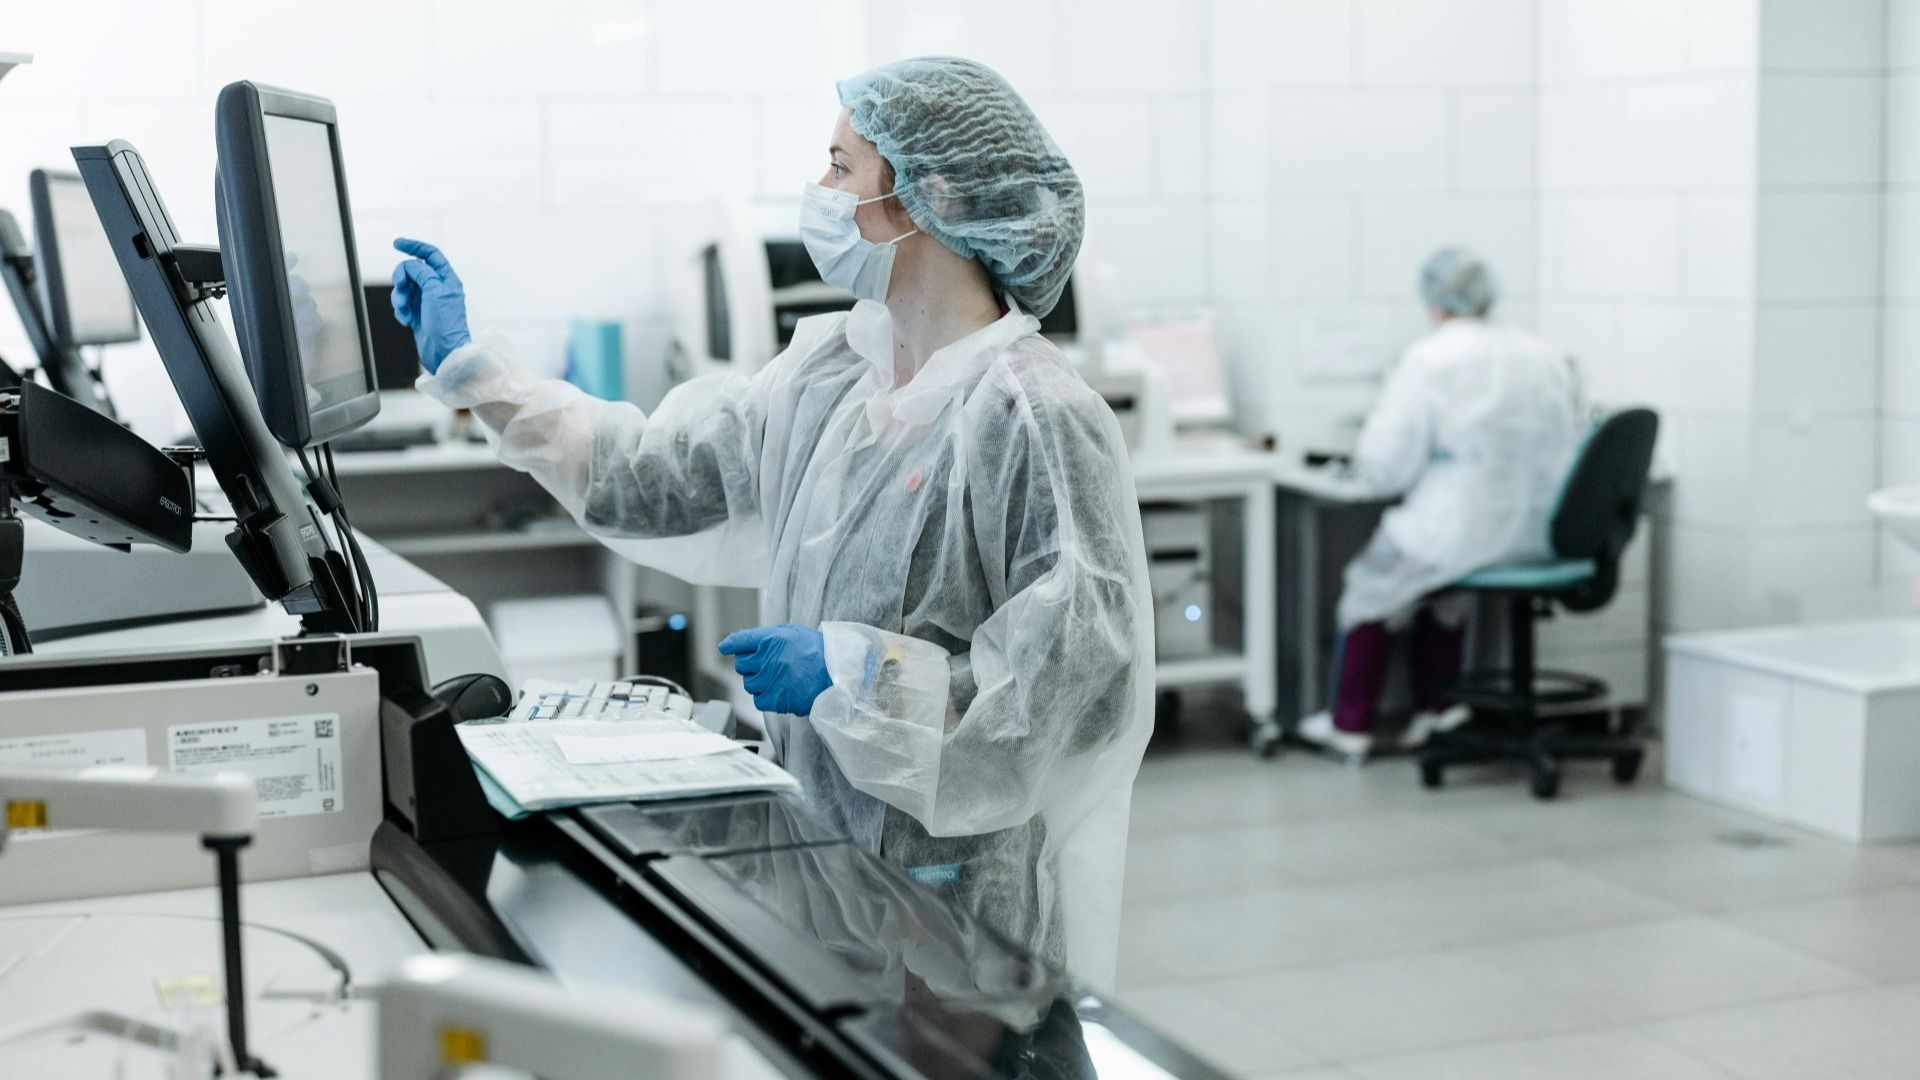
1318,729
1425,725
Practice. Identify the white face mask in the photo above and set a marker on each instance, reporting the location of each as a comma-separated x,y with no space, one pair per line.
844,257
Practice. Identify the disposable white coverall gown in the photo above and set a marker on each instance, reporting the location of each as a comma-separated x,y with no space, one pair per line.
1478,425
969,543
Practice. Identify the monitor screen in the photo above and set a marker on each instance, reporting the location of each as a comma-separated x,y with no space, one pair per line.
714,280
396,359
319,283
86,298
1062,324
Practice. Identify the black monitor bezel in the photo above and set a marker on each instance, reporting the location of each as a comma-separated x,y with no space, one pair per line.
253,255
52,284
278,536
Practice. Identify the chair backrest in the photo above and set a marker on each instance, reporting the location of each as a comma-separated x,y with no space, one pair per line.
1600,505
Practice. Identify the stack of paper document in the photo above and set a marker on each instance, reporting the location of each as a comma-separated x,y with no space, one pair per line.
527,765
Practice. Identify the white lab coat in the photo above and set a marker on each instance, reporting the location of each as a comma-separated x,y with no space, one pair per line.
1478,426
968,543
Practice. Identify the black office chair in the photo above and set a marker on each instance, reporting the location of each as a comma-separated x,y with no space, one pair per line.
1596,516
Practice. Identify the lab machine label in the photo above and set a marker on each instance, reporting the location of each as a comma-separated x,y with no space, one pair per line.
74,750
294,760
77,749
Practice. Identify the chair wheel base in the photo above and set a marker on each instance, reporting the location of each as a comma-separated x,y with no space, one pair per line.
1626,766
1264,735
1544,782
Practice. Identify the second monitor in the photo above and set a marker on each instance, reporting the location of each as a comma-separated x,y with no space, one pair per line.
286,237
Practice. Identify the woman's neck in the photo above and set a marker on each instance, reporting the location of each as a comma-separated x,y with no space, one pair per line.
936,299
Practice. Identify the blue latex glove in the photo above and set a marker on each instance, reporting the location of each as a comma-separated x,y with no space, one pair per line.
429,300
783,667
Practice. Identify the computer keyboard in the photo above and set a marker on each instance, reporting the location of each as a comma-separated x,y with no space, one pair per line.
376,439
588,699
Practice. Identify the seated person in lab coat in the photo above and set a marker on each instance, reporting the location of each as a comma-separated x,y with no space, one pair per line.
1477,426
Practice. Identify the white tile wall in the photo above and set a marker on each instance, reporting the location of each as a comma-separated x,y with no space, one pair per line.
1717,245
1714,485
1788,569
1900,283
612,155
1371,141
1258,43
586,48
1580,137
1494,137
1903,112
1722,35
1396,234
1611,245
1710,570
1315,252
142,60
1816,360
1689,357
556,154
1814,474
349,49
1687,195
1147,45
1590,330
1597,40
1819,245
1902,260
1820,129
1899,389
1465,42
1160,250
1903,34
1822,34
1900,449
1371,132
1694,133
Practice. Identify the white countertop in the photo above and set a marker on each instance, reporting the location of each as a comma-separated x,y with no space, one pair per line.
62,961
1875,656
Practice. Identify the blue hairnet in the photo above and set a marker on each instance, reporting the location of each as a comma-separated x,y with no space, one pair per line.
975,170
1456,281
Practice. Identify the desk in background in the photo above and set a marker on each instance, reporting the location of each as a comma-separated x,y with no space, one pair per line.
1325,518
1199,470
490,532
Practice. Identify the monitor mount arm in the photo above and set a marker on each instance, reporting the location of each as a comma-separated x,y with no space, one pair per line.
85,475
197,271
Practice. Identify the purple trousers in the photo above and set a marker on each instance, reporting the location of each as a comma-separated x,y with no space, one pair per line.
1361,660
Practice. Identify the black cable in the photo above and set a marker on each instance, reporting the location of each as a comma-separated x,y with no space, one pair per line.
17,642
356,605
368,590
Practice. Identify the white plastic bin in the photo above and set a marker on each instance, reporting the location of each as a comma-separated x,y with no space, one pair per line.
1818,726
557,637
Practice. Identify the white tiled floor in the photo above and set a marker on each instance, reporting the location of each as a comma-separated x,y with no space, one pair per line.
1298,918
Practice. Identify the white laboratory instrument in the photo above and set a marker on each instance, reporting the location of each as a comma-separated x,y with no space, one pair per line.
1180,568
440,1013
309,738
221,809
144,799
1185,352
